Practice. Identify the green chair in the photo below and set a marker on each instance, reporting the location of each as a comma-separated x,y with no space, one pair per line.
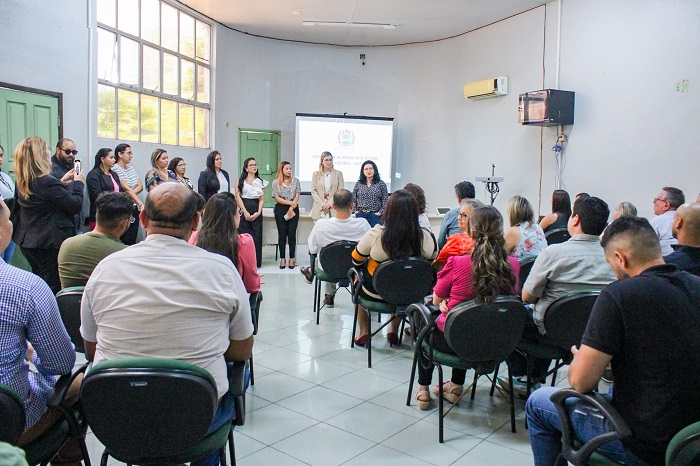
72,423
682,450
399,283
158,411
481,336
68,300
559,235
335,260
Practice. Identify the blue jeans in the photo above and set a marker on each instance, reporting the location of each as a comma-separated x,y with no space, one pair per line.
372,218
225,411
544,428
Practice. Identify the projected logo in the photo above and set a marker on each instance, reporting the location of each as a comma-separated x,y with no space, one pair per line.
346,138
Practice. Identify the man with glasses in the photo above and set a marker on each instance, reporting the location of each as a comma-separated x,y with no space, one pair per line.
665,205
64,159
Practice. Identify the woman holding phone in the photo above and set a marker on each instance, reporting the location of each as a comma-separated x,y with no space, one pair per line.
286,190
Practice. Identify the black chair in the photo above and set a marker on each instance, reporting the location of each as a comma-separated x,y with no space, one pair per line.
69,300
565,321
556,236
255,300
399,283
525,268
682,450
158,411
335,260
72,423
481,335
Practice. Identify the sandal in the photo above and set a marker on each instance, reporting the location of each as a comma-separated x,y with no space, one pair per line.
450,391
283,263
292,263
423,404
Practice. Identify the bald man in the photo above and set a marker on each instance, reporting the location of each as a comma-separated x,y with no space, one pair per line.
686,229
164,298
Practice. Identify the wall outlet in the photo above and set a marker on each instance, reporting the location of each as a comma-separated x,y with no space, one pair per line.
397,175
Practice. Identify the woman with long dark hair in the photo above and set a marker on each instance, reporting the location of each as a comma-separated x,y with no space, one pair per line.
101,179
399,238
213,179
219,234
46,206
561,211
250,195
285,191
486,273
370,194
178,166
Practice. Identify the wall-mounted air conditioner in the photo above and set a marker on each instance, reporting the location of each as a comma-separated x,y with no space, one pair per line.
487,88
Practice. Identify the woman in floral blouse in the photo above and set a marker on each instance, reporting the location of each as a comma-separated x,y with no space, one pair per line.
285,191
524,238
370,194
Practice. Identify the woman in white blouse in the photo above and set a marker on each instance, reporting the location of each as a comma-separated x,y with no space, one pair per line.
285,191
250,195
325,182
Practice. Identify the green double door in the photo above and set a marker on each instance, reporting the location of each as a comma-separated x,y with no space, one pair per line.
24,114
264,147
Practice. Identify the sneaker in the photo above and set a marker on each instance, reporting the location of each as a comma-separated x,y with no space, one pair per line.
519,386
308,276
329,300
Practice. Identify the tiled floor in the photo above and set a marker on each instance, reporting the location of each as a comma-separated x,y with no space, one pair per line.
315,401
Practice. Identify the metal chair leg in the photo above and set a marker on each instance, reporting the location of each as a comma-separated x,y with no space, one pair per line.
511,400
318,300
105,458
369,337
476,377
440,403
493,382
231,447
252,372
416,356
354,326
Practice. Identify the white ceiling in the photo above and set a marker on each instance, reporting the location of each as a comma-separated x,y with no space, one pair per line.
415,20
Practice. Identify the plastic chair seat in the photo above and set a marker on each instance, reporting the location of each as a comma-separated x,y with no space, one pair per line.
377,306
49,442
542,350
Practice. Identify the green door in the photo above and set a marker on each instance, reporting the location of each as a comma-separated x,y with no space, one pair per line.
264,146
24,114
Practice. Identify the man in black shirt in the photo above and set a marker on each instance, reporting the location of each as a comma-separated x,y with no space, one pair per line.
63,162
686,229
647,324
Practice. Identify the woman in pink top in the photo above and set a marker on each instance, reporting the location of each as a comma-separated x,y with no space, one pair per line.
219,234
486,273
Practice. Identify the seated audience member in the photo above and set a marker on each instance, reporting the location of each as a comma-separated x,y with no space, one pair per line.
665,205
419,194
80,254
399,237
450,226
624,208
486,273
580,196
561,211
575,265
343,226
647,324
461,243
164,298
219,234
686,229
524,238
31,331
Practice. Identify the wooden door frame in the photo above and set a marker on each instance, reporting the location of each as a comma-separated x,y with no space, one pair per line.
31,90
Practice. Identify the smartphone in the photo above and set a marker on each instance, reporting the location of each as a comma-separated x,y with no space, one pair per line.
286,217
77,166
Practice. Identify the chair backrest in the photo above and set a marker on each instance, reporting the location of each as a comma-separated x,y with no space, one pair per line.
143,409
684,448
486,332
566,318
525,267
12,415
69,300
556,236
336,258
404,282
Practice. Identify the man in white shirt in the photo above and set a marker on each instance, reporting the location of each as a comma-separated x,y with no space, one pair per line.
342,227
665,205
164,298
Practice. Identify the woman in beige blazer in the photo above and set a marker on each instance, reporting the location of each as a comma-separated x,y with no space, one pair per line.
325,182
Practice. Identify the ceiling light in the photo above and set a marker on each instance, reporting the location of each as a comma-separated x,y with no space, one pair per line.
349,24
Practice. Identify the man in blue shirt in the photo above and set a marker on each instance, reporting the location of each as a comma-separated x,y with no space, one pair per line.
31,329
450,224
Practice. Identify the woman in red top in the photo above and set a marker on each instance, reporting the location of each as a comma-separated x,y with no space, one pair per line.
486,273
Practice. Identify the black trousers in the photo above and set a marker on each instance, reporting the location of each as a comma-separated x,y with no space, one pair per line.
425,374
44,263
253,228
286,230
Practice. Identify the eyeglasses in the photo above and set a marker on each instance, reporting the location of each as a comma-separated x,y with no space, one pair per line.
464,216
69,151
252,165
656,199
181,164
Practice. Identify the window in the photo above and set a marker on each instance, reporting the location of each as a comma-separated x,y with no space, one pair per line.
154,73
